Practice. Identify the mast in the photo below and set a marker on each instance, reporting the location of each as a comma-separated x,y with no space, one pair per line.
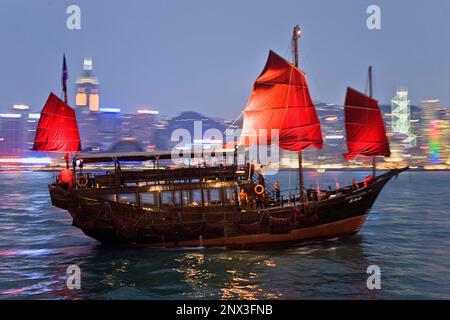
374,164
295,36
65,75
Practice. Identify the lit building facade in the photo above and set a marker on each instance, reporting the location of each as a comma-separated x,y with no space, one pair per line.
87,88
401,112
430,130
401,118
17,131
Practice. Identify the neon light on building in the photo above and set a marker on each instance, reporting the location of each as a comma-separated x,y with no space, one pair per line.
434,145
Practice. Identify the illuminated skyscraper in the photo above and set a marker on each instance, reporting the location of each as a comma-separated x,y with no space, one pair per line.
401,117
88,88
401,112
430,130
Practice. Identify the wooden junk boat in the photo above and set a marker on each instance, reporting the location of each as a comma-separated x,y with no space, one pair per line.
199,205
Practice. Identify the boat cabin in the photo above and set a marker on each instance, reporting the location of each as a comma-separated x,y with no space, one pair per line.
151,182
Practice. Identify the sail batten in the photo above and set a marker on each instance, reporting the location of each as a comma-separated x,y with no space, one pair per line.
364,126
281,101
57,130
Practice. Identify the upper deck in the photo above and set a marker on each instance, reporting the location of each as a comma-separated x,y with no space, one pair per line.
143,175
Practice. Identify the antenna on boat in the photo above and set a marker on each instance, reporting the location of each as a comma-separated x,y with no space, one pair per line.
374,164
295,36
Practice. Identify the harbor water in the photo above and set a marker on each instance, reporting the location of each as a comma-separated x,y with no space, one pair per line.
406,235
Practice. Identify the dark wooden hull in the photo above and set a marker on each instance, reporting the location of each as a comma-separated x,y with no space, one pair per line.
118,223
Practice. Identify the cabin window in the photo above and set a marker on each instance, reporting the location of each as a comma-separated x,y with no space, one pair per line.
111,197
212,197
185,197
149,199
170,198
127,198
196,198
230,196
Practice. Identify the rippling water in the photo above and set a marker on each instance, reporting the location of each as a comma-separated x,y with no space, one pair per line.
406,235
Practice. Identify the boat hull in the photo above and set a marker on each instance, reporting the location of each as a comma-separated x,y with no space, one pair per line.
116,223
342,228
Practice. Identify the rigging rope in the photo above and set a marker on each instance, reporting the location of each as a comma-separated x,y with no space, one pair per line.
232,124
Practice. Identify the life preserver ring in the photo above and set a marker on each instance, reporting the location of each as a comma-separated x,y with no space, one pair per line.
82,181
259,189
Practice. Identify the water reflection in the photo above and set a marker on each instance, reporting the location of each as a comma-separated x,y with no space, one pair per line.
406,236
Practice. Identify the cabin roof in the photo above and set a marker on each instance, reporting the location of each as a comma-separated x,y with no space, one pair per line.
121,156
132,156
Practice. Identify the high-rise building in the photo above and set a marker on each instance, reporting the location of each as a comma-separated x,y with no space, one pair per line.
401,118
401,112
430,130
109,125
87,86
14,134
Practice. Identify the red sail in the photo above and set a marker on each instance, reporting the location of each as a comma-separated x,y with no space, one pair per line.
280,100
57,129
366,135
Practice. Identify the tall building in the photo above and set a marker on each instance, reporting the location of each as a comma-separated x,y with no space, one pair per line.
430,130
87,86
109,126
14,132
11,134
401,118
401,112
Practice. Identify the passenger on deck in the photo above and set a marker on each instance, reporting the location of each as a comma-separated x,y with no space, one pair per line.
66,160
261,179
276,186
80,165
260,202
251,168
243,199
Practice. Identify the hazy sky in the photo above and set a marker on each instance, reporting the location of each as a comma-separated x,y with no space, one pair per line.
204,55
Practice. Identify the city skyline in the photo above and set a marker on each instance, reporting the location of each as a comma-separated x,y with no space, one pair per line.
144,62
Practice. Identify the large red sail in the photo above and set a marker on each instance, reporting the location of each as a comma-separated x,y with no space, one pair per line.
364,125
280,100
57,130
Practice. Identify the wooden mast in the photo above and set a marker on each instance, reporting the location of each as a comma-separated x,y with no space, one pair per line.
64,79
295,36
374,164
64,89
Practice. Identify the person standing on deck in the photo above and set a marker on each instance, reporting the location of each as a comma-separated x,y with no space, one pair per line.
66,160
261,179
251,169
276,186
243,199
80,165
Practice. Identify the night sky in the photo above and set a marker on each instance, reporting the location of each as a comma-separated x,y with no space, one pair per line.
203,55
